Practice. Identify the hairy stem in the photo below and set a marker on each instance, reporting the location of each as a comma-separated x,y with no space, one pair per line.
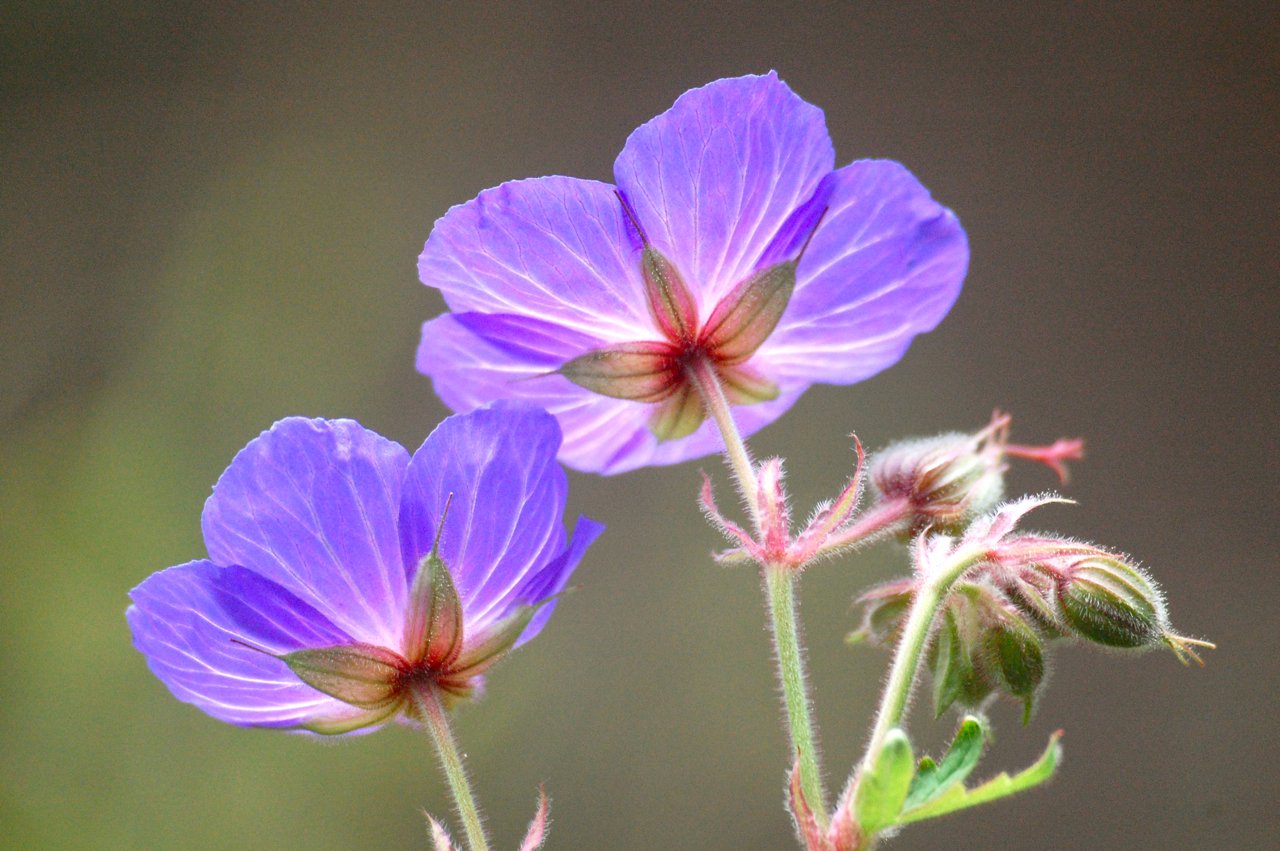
779,585
915,636
703,376
432,712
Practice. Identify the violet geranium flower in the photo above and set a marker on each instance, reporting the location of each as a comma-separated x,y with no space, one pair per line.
730,244
343,574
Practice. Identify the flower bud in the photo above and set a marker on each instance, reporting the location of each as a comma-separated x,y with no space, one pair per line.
946,481
1112,603
959,673
1014,653
884,609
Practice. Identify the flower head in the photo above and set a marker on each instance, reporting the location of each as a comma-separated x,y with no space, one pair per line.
730,244
342,573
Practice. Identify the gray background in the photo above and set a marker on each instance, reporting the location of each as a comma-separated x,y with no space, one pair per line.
210,220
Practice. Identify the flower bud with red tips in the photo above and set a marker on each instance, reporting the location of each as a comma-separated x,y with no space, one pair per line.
945,481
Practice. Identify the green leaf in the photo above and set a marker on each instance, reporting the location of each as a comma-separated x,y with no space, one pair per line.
957,797
883,790
932,780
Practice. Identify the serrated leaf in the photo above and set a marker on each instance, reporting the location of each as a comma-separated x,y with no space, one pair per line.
932,780
883,789
957,797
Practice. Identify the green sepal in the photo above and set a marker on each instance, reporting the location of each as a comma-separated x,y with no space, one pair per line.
498,638
338,725
362,675
747,315
671,304
932,779
957,797
745,386
882,790
678,416
433,631
637,372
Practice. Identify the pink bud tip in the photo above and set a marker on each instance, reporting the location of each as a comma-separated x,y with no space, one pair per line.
1063,449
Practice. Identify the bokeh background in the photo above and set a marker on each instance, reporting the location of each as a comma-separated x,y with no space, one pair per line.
210,219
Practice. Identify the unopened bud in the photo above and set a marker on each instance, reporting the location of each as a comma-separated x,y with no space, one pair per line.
958,670
1112,603
948,480
884,609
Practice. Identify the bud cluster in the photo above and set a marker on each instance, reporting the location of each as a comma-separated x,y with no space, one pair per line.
991,632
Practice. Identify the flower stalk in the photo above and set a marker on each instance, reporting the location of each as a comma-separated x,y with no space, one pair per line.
915,638
779,586
430,709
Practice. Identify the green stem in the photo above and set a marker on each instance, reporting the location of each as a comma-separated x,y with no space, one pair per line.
432,712
915,635
704,377
779,584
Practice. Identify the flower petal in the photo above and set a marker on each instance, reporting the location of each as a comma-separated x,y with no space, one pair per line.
553,578
601,435
553,248
885,264
715,178
506,518
187,621
312,505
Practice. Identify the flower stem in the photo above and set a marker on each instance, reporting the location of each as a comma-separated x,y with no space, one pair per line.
704,377
915,635
779,586
432,712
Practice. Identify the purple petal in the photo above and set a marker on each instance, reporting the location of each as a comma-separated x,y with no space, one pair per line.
553,578
184,620
601,435
312,506
553,248
505,522
715,178
529,340
886,264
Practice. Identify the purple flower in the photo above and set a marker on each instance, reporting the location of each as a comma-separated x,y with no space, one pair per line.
342,574
729,244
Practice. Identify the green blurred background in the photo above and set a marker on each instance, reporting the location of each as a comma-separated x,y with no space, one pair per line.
211,216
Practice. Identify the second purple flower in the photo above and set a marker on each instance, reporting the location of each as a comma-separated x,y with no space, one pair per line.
730,245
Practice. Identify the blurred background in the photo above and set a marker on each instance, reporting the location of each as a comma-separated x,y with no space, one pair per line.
210,220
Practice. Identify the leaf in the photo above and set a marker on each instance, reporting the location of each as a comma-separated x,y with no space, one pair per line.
932,780
957,797
883,789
